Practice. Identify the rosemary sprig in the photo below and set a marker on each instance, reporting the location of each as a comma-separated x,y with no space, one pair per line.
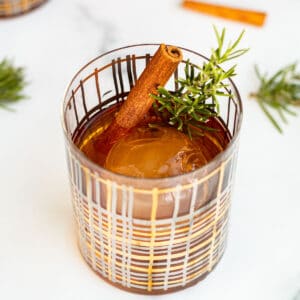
12,83
279,93
197,98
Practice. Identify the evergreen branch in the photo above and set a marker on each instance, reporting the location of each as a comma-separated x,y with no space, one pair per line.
197,98
278,93
12,83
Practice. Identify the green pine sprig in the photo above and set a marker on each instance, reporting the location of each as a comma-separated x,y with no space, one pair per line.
278,93
12,83
197,99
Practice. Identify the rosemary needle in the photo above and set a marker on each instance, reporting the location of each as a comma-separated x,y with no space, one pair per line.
12,83
197,98
278,93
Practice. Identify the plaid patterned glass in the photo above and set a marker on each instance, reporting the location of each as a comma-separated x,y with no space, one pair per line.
148,236
9,8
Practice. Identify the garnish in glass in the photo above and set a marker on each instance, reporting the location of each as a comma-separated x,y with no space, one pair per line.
197,99
159,133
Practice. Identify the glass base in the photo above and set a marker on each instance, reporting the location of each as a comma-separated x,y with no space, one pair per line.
153,292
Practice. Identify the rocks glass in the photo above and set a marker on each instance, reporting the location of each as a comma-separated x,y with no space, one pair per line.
149,236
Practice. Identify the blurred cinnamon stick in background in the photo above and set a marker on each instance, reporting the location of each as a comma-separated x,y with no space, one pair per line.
252,17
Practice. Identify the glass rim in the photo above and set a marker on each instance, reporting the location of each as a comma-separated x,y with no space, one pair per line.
102,171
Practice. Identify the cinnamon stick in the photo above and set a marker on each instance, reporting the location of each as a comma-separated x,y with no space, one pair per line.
139,101
252,17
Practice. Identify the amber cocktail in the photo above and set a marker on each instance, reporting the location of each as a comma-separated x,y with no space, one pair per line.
154,231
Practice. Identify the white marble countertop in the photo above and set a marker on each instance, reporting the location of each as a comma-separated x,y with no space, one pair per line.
39,258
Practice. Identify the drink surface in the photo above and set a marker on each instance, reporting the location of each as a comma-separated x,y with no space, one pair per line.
154,151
